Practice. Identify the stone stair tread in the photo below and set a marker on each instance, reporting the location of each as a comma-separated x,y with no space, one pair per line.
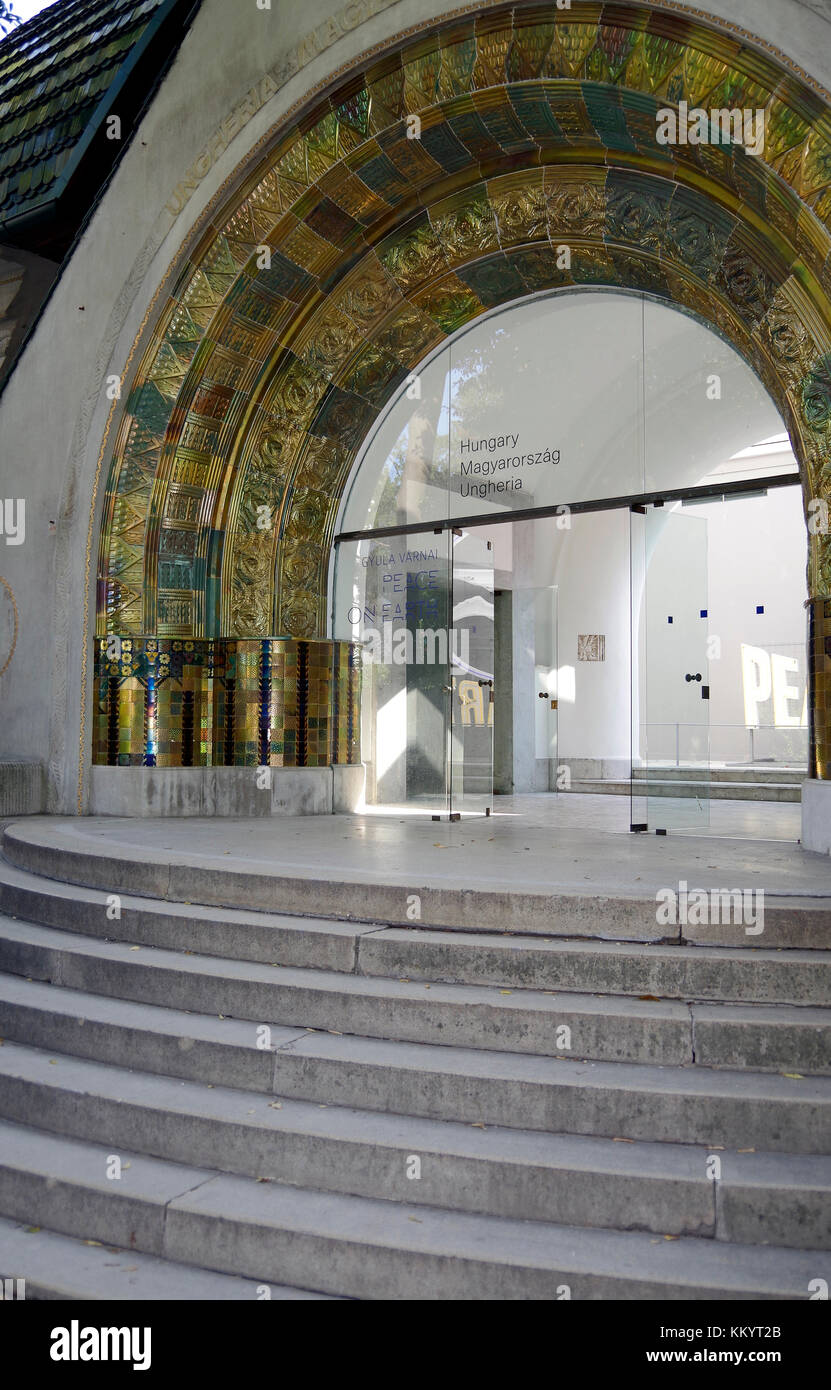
549,1002
406,1133
491,951
61,1001
56,889
508,940
65,1267
266,1225
320,944
643,784
339,982
559,1071
155,1018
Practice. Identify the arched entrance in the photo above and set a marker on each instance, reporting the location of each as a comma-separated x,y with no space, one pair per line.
435,182
535,477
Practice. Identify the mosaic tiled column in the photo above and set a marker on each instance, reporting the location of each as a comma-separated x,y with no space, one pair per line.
153,699
169,702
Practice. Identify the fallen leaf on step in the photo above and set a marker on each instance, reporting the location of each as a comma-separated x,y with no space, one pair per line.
477,1125
92,1242
402,980
52,1062
504,991
135,948
334,1032
794,1075
263,1179
275,1105
618,1140
654,997
745,1151
32,1230
417,1220
672,1237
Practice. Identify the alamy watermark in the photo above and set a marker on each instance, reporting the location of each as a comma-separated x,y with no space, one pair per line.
734,125
397,645
708,907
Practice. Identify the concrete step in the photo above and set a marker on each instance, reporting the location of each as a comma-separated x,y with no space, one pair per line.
601,1027
795,920
686,1105
748,772
668,971
566,1179
702,790
215,931
508,960
65,1267
354,1245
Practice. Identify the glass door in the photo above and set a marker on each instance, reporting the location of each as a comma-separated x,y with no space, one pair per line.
670,670
545,673
392,595
470,727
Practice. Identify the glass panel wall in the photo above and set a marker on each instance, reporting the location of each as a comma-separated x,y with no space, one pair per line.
472,675
392,596
554,401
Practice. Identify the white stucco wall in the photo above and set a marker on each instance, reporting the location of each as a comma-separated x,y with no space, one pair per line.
54,412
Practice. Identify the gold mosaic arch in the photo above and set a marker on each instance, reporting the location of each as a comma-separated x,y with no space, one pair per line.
537,127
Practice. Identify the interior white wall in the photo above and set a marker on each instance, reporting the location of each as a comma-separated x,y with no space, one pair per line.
589,563
757,552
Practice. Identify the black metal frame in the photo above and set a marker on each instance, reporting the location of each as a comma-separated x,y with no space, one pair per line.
745,487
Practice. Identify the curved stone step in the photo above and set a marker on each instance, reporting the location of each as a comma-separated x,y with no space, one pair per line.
668,970
600,1027
65,1267
612,1028
217,931
684,1105
374,1249
688,789
793,918
567,1179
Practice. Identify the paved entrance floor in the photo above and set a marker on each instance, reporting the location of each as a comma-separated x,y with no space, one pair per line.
531,844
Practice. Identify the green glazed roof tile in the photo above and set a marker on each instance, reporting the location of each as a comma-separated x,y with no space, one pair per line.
54,71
